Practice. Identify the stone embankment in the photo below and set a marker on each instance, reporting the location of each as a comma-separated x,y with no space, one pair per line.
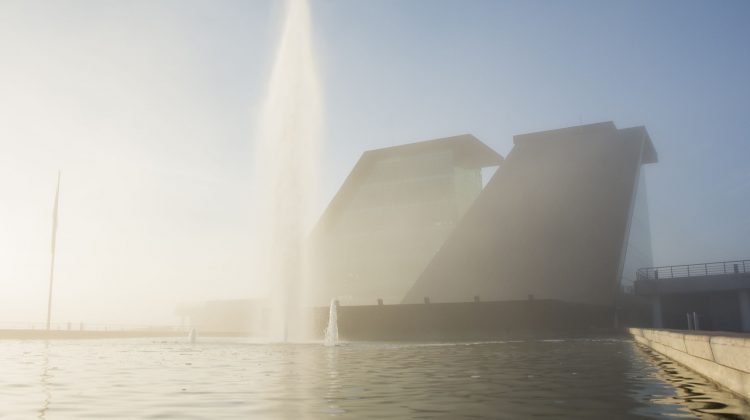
721,357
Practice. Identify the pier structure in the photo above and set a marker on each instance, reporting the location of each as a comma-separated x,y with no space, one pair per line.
706,296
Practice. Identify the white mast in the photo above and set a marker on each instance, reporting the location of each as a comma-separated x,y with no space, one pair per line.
54,240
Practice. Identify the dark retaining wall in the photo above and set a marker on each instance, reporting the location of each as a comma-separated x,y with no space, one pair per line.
471,320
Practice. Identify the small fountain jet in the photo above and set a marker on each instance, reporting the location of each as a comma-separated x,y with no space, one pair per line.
332,331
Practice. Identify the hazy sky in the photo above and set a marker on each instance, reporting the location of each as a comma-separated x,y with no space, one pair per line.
149,108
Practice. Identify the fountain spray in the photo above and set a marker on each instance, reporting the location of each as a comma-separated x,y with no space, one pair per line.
286,164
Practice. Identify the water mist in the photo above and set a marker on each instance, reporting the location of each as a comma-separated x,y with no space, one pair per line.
286,162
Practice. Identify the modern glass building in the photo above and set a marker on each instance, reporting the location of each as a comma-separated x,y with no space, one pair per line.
565,217
392,214
638,252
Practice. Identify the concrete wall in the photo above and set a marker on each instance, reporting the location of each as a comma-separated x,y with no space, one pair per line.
721,357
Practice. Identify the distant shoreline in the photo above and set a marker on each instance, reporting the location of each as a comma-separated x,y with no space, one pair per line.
16,334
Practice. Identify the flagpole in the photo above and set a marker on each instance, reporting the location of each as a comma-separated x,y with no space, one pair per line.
52,263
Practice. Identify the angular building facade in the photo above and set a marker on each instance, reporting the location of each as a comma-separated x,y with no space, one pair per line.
638,252
565,218
391,215
562,223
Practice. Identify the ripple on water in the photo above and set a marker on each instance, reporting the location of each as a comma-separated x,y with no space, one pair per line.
215,379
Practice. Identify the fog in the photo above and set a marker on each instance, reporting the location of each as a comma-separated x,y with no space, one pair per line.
150,109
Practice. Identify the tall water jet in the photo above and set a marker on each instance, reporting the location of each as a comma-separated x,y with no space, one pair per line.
286,157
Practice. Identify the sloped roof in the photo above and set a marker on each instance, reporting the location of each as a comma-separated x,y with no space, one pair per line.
468,152
596,129
467,149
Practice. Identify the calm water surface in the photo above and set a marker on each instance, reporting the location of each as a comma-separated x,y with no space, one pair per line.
223,379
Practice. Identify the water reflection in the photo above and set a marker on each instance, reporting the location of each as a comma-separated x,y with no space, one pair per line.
700,396
333,388
45,377
215,379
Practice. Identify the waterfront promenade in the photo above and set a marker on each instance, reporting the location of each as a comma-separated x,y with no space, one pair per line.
719,356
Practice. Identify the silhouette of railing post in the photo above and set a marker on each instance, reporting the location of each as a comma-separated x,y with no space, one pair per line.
696,324
691,270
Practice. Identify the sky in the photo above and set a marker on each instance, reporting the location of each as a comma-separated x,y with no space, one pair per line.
149,108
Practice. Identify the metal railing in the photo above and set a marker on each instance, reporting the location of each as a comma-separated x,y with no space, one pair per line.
694,270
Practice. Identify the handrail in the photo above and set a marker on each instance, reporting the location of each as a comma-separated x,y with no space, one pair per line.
694,270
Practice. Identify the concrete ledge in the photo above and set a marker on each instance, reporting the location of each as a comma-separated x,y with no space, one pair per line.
721,357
